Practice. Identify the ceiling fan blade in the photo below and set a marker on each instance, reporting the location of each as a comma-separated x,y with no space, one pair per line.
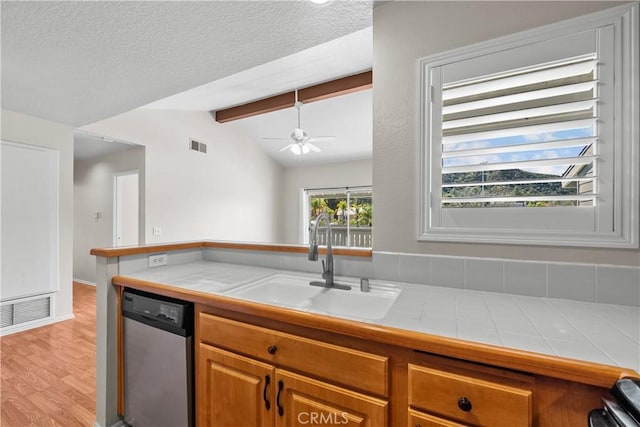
276,139
286,147
322,138
313,147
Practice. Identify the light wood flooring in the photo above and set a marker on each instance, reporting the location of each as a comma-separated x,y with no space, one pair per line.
48,374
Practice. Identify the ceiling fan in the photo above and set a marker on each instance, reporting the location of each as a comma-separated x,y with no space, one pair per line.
299,141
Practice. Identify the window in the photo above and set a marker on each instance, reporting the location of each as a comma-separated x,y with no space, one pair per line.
350,210
533,138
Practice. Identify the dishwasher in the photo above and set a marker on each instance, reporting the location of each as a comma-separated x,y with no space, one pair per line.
158,360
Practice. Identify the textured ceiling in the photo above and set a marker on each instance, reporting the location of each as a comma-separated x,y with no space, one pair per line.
344,56
80,62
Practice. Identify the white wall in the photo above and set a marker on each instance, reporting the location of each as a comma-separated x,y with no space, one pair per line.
344,174
93,192
31,130
230,193
403,32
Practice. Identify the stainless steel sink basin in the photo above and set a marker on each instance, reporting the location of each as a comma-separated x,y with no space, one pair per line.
295,292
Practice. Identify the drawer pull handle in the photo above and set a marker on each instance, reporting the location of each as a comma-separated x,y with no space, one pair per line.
272,349
280,408
267,380
464,404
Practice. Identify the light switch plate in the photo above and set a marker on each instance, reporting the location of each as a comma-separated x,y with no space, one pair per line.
157,260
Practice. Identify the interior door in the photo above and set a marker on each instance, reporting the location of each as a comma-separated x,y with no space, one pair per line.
126,207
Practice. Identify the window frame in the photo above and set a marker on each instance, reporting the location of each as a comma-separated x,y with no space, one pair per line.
622,231
305,217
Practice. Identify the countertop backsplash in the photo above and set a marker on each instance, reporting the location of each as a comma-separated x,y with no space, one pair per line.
608,284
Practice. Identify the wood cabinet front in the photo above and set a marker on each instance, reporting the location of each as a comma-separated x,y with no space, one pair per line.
243,379
304,401
420,419
233,390
352,368
279,375
469,399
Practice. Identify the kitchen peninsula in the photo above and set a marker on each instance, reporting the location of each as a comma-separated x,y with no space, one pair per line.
406,365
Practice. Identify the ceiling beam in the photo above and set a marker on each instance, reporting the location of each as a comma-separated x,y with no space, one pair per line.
330,89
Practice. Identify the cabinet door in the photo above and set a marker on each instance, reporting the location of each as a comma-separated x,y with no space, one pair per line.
233,390
419,419
303,401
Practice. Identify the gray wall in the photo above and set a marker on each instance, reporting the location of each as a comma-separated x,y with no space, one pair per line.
404,32
93,192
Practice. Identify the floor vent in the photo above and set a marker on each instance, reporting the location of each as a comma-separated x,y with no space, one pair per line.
17,312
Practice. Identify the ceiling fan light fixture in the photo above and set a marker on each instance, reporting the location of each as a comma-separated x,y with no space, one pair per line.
305,148
298,134
295,149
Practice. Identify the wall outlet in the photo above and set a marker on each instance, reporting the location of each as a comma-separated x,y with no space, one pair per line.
157,260
157,231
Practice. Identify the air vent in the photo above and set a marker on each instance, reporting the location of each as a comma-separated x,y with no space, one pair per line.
18,312
6,315
197,146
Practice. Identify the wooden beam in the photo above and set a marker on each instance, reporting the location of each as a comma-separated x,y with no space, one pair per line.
262,106
338,87
330,89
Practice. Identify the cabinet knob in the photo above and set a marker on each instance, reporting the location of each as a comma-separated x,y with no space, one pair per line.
464,404
272,349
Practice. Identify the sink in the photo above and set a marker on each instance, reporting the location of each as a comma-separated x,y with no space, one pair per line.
295,292
279,289
366,305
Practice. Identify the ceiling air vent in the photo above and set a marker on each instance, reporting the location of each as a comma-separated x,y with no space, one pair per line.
197,146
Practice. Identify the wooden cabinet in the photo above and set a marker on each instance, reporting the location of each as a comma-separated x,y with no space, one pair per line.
306,401
335,372
457,393
249,382
238,390
345,366
420,419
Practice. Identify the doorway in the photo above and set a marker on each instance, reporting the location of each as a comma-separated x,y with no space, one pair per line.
126,209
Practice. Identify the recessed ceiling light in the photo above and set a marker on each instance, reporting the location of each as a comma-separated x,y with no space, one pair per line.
321,2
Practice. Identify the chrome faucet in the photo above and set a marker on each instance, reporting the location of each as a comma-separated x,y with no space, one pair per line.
327,267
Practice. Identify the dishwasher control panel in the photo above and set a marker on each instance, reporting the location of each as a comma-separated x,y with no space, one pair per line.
153,308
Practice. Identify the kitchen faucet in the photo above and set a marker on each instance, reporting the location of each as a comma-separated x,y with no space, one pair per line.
327,268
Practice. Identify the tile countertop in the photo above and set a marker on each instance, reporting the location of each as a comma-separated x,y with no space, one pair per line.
592,332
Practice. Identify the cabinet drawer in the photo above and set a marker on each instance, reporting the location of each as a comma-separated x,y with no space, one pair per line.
353,368
467,399
419,419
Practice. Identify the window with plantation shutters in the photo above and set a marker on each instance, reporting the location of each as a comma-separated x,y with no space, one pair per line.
533,138
509,140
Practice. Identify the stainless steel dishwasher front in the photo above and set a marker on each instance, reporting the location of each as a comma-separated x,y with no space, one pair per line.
158,360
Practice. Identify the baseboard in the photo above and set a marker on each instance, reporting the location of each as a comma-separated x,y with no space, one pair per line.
118,424
35,324
84,282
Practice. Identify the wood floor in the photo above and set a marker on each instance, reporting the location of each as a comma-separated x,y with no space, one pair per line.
48,374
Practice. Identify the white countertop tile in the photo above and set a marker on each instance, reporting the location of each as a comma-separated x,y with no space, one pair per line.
593,332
